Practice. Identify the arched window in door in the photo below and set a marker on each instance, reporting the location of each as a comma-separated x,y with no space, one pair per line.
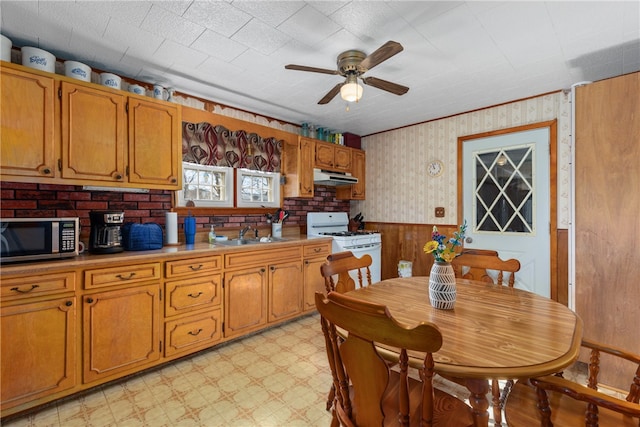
504,194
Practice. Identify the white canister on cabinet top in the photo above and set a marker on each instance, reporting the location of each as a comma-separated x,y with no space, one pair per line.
39,59
110,80
5,48
77,70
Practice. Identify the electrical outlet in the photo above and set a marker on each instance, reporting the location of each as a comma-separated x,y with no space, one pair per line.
439,212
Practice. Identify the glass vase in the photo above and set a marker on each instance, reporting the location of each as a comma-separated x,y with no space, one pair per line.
442,286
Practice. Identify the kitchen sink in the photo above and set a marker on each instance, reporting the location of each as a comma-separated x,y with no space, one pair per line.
241,242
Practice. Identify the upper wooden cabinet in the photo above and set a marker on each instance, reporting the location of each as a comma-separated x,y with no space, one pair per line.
302,157
27,135
297,167
155,144
332,157
106,136
358,170
93,134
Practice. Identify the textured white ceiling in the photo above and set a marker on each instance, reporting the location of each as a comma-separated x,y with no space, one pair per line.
458,56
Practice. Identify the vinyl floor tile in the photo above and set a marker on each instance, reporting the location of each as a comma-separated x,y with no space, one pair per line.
275,378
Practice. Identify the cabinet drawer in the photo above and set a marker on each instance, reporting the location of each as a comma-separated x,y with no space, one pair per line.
318,249
243,259
33,286
192,294
190,266
124,275
193,332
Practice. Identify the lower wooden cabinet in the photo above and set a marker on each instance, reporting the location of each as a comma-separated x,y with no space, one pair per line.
315,254
121,331
285,290
38,355
245,300
192,333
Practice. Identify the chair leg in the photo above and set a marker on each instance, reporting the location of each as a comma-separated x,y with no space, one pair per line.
331,397
497,405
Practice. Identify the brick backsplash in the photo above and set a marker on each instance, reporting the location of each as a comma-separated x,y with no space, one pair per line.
48,200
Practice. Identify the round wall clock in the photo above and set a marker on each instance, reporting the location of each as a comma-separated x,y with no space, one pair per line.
435,168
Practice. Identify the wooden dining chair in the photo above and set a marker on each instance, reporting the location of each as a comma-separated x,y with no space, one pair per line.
340,264
554,400
474,264
368,391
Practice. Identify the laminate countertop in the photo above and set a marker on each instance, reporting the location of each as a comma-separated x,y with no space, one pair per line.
87,259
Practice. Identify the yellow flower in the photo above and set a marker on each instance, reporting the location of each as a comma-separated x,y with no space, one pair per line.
448,256
430,247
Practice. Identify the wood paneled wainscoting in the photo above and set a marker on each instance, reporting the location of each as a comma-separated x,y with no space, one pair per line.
405,242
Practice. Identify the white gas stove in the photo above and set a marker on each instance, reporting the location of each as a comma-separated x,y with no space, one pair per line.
361,242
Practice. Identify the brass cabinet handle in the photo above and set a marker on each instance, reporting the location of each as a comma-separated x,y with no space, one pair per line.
129,277
316,250
68,303
196,268
90,300
27,291
194,333
194,295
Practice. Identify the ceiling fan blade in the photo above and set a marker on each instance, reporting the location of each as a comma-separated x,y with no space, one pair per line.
331,94
383,53
385,85
312,69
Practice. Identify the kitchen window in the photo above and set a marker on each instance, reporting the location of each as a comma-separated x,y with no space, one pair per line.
257,189
206,186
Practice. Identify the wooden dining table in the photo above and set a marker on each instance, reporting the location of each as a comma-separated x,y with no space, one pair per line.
493,332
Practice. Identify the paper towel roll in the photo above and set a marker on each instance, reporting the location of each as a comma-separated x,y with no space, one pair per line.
171,228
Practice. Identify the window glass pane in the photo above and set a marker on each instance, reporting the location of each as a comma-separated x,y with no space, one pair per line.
206,185
257,188
504,190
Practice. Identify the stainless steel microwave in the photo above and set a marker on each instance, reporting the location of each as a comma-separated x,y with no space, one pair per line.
30,239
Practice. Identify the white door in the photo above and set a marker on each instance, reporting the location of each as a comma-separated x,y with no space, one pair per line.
506,201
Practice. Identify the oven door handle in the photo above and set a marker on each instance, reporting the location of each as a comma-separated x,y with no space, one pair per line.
363,248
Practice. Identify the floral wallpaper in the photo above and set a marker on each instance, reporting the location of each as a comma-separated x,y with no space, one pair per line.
398,186
206,144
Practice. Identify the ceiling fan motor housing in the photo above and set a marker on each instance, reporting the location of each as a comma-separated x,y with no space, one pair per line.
349,62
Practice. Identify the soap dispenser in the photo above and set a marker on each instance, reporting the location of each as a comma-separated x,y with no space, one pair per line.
212,235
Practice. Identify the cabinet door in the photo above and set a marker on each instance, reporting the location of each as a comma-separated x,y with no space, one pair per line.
38,355
93,134
324,158
285,290
245,300
305,171
155,144
355,191
342,158
313,282
120,331
27,133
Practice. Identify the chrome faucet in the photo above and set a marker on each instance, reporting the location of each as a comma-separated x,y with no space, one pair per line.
243,231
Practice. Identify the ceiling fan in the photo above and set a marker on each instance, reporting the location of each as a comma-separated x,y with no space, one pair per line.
352,64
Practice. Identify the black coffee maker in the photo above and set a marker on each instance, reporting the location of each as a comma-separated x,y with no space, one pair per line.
106,236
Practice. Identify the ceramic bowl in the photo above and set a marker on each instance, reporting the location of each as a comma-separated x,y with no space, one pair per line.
39,59
77,70
5,48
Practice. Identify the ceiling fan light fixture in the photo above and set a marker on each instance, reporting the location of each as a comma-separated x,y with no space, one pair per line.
351,91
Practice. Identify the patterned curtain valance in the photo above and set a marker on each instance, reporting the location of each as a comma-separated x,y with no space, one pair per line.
205,144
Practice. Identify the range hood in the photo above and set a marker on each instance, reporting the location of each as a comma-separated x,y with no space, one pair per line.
323,177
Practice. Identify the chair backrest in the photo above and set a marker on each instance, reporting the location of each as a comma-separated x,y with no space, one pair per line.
478,261
356,360
562,401
340,264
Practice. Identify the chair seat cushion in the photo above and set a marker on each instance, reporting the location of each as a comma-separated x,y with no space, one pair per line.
521,410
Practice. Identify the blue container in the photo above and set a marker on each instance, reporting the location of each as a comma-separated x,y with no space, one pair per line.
190,230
